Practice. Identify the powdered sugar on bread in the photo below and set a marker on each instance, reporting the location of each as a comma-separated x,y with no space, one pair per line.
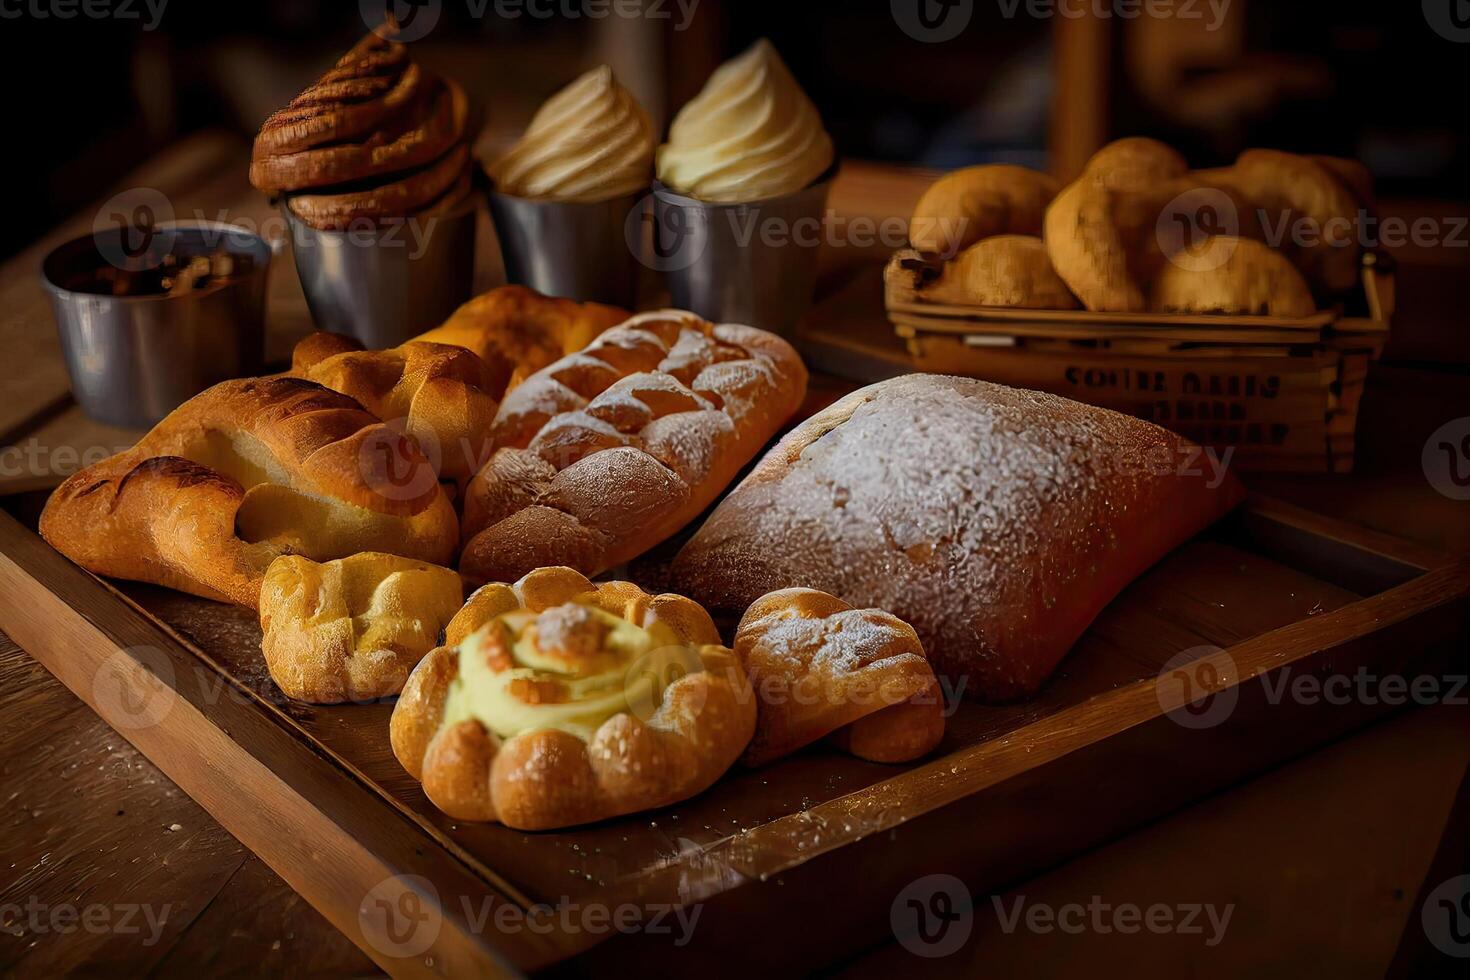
996,521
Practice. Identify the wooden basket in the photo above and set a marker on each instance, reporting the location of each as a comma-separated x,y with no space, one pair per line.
1280,393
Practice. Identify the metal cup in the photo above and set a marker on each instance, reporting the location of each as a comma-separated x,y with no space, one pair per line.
387,281
134,359
752,263
573,249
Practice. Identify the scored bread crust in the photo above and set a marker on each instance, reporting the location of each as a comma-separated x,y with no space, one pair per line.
242,473
547,778
443,395
521,327
820,668
608,451
997,522
353,628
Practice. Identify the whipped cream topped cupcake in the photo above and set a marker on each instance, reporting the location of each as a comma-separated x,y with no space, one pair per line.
750,134
589,142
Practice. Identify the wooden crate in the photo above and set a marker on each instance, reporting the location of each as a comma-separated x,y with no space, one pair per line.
1278,393
810,854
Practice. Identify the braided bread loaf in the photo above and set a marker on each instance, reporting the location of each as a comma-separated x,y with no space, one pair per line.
608,451
565,702
242,473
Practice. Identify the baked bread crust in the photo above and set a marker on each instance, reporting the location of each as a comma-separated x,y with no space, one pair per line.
1012,271
822,669
520,327
1136,161
607,452
546,778
242,473
997,522
1253,279
352,629
443,395
972,203
1288,189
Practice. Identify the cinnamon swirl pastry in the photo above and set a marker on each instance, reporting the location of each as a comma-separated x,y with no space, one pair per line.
375,137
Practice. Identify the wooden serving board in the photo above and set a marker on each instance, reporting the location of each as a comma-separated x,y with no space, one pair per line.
788,867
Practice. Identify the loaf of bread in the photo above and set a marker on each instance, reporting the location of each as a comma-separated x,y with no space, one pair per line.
566,702
518,327
822,669
997,522
1012,271
1236,276
610,450
352,629
243,473
967,205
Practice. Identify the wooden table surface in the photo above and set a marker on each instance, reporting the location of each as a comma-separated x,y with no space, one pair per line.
1323,861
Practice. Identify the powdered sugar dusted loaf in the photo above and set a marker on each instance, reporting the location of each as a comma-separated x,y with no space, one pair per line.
998,522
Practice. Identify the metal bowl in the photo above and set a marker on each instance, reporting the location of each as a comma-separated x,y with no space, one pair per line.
134,359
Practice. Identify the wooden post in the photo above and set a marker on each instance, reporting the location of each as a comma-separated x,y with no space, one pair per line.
1081,72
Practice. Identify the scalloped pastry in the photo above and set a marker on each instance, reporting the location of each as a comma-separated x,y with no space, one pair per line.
566,702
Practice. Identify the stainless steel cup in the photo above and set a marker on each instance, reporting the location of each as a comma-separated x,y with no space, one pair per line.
574,249
390,280
752,263
134,359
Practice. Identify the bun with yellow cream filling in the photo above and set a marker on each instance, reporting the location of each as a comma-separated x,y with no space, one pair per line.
560,702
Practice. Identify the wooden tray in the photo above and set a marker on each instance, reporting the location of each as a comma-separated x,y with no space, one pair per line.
792,866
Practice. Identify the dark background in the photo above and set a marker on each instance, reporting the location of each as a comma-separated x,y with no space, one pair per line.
92,98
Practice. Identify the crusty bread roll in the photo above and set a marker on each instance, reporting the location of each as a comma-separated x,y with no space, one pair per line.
1354,176
976,202
1109,240
822,669
1312,212
997,522
520,327
443,395
1005,270
1098,240
1136,161
242,473
607,452
574,702
352,629
1234,276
